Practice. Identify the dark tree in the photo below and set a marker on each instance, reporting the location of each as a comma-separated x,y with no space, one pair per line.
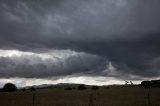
95,87
82,87
68,88
23,89
145,84
32,89
9,87
107,87
1,90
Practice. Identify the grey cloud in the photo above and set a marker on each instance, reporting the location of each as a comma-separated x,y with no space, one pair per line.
125,32
26,24
35,67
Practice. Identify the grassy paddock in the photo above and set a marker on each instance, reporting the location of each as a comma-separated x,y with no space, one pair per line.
113,96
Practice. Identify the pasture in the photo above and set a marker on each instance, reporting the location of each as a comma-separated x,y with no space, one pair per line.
112,96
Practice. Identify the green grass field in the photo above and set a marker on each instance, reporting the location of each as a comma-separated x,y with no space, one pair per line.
114,96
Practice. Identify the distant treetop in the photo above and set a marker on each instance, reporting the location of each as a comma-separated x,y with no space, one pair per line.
9,87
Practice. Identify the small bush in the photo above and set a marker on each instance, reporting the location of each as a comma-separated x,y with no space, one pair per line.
95,87
23,89
1,90
106,87
74,88
32,89
9,87
82,87
68,88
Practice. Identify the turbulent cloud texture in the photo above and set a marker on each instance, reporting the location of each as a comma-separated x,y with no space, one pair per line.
31,65
117,36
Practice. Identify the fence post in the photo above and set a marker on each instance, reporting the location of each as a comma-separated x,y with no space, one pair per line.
90,100
149,98
33,99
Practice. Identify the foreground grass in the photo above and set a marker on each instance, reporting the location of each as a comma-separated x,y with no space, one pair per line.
114,96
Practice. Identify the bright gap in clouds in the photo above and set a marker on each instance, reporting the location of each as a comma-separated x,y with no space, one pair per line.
44,55
21,82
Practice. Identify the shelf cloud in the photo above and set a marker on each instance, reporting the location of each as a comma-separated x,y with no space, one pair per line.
115,38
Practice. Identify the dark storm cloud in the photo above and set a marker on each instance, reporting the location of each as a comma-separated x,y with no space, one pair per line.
125,32
32,66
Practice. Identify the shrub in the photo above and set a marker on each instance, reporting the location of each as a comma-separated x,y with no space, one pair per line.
9,87
82,87
95,87
1,90
32,89
106,87
68,88
23,89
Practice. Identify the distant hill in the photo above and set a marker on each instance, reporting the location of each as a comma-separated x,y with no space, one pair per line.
43,86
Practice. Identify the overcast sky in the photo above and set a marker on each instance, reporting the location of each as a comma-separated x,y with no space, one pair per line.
50,40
